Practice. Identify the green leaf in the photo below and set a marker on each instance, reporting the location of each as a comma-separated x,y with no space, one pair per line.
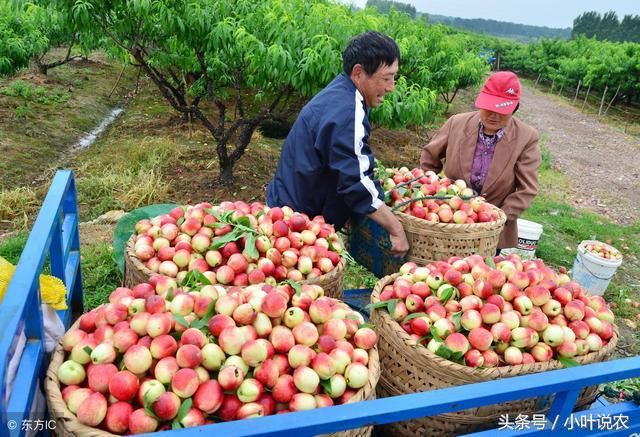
126,226
448,293
366,325
391,305
184,409
568,362
176,425
489,261
204,321
180,319
376,306
244,221
413,316
218,242
87,350
423,338
147,406
250,246
444,352
326,385
455,318
457,356
295,285
435,335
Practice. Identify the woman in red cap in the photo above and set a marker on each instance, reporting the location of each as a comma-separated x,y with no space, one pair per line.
495,153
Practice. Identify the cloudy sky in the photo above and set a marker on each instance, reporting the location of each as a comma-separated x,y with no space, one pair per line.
550,13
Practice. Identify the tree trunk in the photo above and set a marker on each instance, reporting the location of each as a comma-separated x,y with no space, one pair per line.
226,173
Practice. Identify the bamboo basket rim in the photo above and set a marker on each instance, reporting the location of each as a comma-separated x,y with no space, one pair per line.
133,259
448,227
474,372
70,424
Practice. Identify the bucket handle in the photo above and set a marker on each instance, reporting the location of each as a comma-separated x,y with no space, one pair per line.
604,278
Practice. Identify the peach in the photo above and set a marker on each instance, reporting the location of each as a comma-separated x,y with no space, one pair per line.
189,355
474,358
167,405
282,339
138,359
124,385
284,389
71,373
208,397
98,377
185,382
140,422
230,377
513,356
92,410
117,417
457,343
490,313
480,338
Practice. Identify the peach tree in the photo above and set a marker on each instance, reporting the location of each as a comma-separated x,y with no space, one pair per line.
233,64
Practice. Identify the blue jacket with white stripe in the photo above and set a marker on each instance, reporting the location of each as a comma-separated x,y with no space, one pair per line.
326,165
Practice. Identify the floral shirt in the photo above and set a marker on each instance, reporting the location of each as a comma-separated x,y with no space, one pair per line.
485,148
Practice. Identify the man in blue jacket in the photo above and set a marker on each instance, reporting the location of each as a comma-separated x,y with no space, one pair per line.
326,165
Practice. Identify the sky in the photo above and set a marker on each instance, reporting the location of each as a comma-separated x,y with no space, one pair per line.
550,13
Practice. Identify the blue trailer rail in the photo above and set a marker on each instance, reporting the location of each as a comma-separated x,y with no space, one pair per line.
56,232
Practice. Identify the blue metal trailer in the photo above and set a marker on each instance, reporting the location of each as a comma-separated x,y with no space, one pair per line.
55,233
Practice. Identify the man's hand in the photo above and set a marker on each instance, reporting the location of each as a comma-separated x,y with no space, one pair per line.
385,218
399,244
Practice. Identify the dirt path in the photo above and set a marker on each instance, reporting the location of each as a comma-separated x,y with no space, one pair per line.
602,163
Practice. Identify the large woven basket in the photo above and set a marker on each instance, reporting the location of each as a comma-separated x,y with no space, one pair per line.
67,424
136,272
408,368
429,242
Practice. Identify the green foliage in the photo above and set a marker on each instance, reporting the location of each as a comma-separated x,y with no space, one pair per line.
32,93
265,55
516,31
20,38
357,276
11,248
597,64
607,26
385,6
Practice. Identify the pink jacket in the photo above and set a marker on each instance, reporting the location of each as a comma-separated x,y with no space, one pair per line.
512,179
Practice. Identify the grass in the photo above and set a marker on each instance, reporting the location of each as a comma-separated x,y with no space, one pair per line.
134,179
18,206
100,274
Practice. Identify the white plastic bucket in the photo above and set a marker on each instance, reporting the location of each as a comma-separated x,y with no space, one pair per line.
592,272
528,235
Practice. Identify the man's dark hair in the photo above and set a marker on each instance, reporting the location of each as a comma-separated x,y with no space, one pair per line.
371,50
517,107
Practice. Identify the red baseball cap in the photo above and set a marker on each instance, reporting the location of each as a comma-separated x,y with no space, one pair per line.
500,93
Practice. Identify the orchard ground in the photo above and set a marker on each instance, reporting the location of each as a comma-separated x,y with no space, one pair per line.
151,155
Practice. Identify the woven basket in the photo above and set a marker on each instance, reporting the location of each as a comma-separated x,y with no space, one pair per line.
429,242
135,272
67,424
409,368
